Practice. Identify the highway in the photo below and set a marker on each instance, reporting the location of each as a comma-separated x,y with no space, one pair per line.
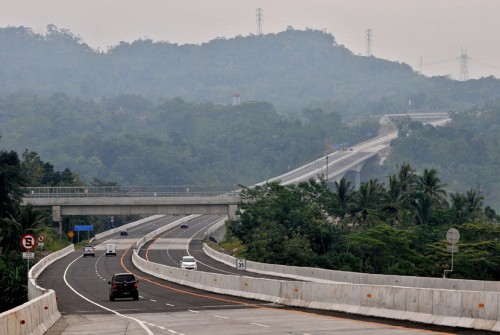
168,308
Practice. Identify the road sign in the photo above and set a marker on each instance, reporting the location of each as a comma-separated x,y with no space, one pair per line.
40,239
241,264
452,248
453,235
28,255
84,228
71,234
28,242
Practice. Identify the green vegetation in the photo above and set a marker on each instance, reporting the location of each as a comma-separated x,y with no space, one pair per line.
132,141
16,220
394,228
465,151
150,113
293,69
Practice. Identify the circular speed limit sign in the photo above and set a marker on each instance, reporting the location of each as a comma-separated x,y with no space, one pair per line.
28,242
41,239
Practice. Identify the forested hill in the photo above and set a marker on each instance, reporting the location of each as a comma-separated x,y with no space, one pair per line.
291,69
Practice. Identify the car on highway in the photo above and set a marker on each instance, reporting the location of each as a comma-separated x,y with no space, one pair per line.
123,285
110,249
188,263
124,233
88,250
184,225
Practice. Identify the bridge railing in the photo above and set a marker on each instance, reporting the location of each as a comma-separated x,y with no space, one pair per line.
129,191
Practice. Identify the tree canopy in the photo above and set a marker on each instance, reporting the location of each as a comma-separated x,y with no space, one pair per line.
399,228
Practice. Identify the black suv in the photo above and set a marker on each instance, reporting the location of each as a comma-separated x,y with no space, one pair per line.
123,285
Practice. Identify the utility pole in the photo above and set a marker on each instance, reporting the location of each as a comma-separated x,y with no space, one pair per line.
464,65
368,40
259,14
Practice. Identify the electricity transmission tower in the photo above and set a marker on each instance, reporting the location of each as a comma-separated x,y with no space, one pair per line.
259,18
368,39
464,65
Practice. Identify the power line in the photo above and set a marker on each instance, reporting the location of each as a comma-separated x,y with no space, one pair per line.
483,63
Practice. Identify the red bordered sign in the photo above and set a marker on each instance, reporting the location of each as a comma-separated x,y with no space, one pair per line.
28,242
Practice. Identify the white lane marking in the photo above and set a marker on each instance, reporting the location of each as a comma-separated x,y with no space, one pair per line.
206,228
170,305
260,325
152,300
143,326
172,331
190,310
221,317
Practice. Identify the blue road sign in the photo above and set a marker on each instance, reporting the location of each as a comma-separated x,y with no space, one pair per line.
84,228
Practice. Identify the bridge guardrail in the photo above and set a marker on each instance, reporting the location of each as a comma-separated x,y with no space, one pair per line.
130,191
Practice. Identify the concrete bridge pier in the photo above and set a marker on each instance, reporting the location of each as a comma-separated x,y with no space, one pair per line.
356,171
56,217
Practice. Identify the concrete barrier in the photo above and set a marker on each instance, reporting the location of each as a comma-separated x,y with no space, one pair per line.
217,231
444,307
126,226
324,275
40,313
36,316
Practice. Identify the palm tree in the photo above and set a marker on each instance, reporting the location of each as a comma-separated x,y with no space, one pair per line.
14,227
366,201
458,206
395,200
406,178
430,184
423,204
344,192
466,206
474,203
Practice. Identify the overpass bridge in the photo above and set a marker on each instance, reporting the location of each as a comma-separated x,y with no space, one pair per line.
183,200
123,200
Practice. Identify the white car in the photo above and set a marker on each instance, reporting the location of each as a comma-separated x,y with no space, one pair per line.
110,249
188,263
88,250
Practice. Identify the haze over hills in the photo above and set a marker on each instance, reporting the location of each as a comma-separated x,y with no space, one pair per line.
292,69
160,113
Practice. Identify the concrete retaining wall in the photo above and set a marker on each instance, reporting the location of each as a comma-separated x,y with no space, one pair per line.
323,275
34,317
217,231
40,313
444,307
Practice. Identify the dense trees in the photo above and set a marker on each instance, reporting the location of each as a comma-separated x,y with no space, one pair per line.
15,221
293,69
398,228
133,141
465,151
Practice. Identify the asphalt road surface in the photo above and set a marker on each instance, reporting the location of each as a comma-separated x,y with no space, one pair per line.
81,286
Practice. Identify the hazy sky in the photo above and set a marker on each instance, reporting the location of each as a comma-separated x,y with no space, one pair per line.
426,34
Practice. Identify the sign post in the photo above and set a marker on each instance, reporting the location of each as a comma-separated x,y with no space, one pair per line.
28,242
88,228
41,242
452,236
